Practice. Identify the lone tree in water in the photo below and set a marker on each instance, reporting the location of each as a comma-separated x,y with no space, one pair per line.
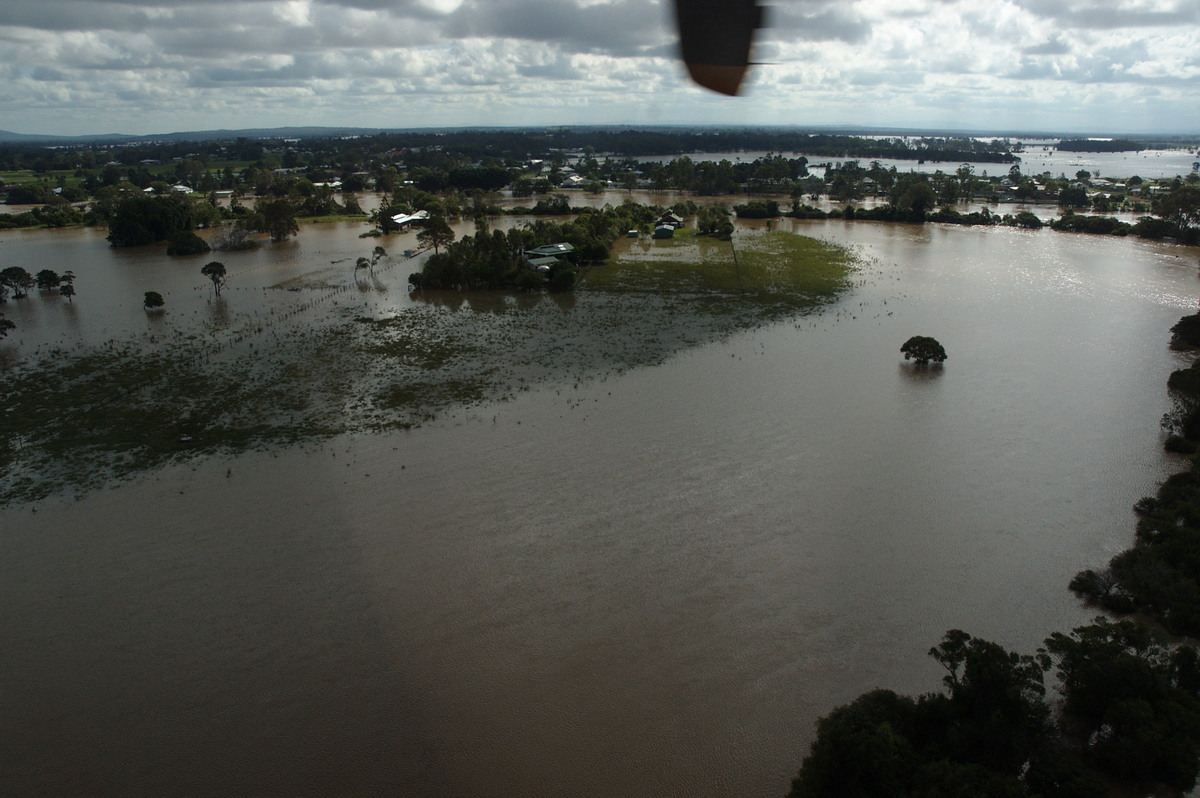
215,271
923,349
153,301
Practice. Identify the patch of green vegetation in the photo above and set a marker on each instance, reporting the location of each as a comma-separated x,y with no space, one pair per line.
773,269
406,395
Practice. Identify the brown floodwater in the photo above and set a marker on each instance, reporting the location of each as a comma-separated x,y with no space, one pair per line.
650,583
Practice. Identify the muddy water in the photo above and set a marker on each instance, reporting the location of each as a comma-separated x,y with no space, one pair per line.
651,584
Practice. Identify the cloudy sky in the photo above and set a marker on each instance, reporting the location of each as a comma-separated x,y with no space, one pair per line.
158,66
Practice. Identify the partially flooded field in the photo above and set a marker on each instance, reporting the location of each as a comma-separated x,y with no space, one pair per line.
319,353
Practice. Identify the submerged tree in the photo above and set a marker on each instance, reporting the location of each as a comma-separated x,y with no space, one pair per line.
67,290
215,271
153,300
6,326
48,280
923,349
16,278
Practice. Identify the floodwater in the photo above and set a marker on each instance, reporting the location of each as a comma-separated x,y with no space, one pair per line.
648,584
1036,158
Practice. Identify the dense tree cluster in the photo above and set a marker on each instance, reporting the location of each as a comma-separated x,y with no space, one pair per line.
494,259
140,220
1099,145
1130,715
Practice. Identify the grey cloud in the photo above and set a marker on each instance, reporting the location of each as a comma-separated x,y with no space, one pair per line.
558,69
47,74
1053,46
66,15
1111,14
815,22
620,27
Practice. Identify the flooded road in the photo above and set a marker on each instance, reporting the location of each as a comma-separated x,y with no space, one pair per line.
650,583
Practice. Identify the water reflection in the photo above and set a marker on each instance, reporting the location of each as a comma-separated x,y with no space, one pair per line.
438,298
921,373
564,299
220,315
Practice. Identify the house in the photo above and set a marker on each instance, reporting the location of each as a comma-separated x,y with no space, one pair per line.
544,258
669,219
550,250
402,219
664,231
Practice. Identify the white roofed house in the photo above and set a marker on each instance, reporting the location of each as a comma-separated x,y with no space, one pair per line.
403,219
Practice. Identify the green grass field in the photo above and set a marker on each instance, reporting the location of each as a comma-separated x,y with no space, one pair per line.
778,268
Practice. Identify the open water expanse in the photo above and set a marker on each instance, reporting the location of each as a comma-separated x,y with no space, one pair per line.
646,583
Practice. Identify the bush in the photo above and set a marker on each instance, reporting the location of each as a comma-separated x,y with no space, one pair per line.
562,280
1186,333
185,242
1186,380
1027,220
529,281
1177,444
1155,229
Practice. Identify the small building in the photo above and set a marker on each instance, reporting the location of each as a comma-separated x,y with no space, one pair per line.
541,265
542,259
670,219
664,231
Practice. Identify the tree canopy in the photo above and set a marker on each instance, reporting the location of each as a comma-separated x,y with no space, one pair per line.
923,350
215,272
143,220
1131,704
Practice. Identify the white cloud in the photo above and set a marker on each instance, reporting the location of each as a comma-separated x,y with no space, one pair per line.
141,66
